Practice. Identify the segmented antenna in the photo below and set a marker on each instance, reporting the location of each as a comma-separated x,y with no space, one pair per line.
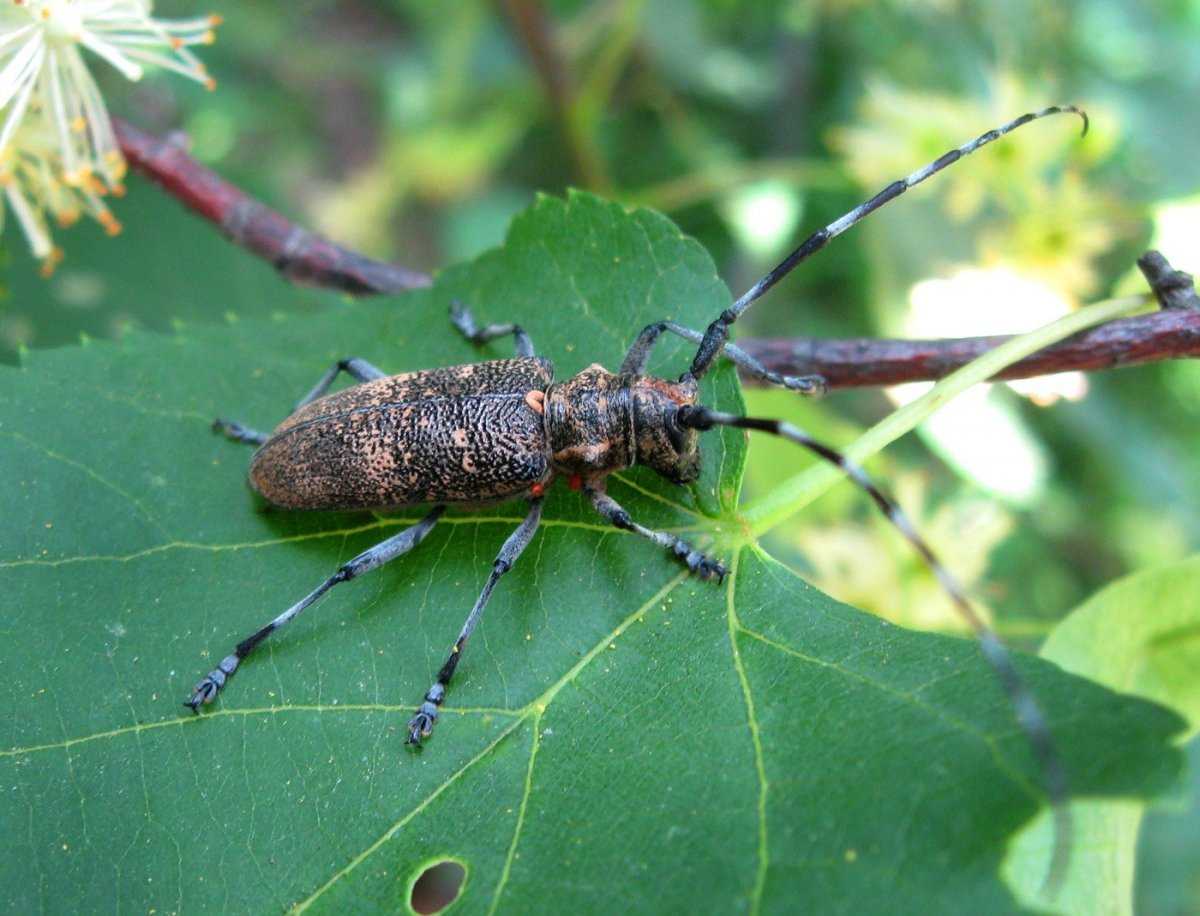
1029,714
718,332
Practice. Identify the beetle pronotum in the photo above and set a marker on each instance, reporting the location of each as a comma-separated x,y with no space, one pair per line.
412,439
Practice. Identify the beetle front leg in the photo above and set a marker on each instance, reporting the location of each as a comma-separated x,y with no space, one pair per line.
421,725
703,566
638,357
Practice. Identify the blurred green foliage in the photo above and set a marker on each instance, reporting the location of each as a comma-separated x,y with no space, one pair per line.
414,131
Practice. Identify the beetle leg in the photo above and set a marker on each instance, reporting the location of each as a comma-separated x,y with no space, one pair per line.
359,369
231,429
639,355
421,725
703,566
210,685
461,318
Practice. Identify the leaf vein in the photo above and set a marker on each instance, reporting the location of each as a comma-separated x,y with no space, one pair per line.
512,846
536,708
760,877
183,721
957,724
94,475
391,522
396,827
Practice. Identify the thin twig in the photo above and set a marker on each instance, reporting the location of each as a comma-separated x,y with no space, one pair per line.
305,258
1173,288
863,362
301,256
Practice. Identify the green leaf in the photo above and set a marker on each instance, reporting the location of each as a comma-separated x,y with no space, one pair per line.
619,737
1140,635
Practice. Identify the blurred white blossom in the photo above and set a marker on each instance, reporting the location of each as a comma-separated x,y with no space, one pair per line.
995,300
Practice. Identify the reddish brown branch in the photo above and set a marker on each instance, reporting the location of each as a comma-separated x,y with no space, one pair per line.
1173,333
859,362
302,257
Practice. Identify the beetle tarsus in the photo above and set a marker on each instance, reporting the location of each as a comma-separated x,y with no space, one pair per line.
464,321
238,432
204,692
421,725
698,563
703,566
814,386
210,685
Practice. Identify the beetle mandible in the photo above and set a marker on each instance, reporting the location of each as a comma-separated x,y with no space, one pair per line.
503,429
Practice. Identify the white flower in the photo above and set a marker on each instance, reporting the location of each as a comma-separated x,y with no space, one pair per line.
41,65
33,188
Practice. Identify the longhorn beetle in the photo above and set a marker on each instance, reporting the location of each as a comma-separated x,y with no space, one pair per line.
417,438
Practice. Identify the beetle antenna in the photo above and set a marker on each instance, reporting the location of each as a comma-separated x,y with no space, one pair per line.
717,332
1028,712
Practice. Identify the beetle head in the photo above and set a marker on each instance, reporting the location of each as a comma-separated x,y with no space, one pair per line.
662,443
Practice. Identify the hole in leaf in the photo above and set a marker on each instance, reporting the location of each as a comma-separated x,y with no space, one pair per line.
437,886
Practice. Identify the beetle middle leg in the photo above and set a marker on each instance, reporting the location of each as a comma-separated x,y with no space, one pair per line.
421,725
464,321
358,369
703,566
398,544
639,355
238,432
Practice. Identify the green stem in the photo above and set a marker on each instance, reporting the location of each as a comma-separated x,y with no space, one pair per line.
797,492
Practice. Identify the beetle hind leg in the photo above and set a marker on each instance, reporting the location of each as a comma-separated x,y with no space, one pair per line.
421,725
359,369
703,566
210,685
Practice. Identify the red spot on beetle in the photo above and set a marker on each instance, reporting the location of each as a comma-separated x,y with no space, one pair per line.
576,482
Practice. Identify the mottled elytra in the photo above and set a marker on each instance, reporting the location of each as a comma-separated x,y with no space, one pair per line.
505,429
